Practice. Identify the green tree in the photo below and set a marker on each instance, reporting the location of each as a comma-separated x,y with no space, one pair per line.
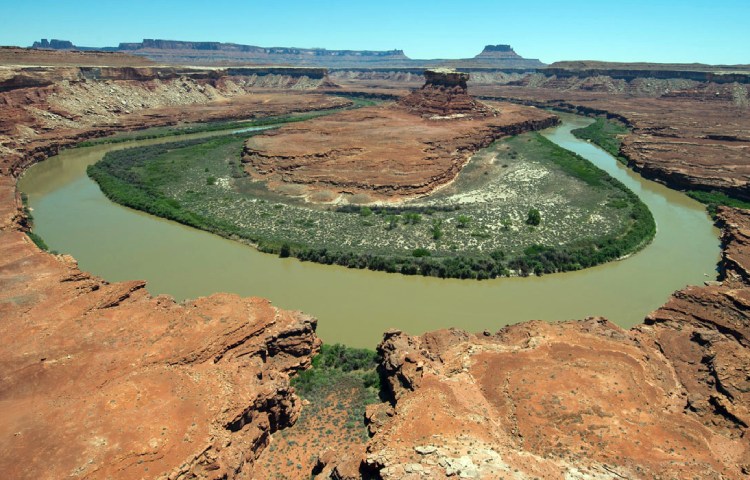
411,218
534,218
436,230
392,221
506,222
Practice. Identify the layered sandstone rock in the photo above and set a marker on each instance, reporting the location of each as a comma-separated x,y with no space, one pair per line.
37,121
444,95
667,399
689,131
380,152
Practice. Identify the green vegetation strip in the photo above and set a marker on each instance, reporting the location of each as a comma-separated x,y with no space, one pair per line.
38,241
201,183
607,134
714,199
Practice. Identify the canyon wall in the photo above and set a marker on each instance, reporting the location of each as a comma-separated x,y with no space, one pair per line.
58,106
632,71
24,77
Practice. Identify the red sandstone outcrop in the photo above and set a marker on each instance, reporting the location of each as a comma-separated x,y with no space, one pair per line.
667,399
37,121
689,131
395,150
101,380
444,95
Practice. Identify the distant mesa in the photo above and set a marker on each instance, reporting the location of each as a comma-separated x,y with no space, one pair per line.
499,51
155,44
54,44
179,52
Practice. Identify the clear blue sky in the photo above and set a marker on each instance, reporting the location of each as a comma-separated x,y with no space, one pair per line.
636,30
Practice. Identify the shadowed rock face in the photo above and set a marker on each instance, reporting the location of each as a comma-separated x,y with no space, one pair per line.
444,77
667,399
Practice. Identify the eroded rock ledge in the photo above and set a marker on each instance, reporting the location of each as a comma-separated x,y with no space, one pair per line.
587,399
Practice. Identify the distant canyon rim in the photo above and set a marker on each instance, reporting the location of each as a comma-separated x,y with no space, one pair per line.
145,387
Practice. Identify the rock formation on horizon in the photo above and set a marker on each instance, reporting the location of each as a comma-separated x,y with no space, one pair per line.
499,51
445,95
54,44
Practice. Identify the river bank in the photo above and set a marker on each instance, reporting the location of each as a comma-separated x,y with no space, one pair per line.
187,263
477,227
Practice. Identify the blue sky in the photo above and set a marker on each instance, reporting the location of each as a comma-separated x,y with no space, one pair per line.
636,30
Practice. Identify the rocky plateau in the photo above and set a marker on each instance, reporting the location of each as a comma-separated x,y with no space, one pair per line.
395,150
689,123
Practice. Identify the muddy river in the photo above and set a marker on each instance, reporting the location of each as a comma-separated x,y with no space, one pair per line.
356,306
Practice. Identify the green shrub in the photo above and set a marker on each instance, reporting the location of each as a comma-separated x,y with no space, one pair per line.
462,221
436,230
714,199
534,218
38,241
420,252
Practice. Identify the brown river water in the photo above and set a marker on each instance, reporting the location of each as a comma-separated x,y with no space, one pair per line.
355,307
